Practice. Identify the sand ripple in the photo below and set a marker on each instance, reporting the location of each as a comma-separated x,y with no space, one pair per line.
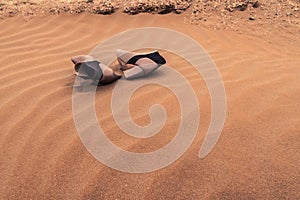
42,157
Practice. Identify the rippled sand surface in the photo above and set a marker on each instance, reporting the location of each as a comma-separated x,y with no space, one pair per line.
42,156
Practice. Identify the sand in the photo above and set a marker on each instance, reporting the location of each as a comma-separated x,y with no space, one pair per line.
42,157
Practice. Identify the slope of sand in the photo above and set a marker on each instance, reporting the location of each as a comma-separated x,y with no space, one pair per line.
42,157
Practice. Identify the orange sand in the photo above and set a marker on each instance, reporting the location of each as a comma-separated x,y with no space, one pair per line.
42,157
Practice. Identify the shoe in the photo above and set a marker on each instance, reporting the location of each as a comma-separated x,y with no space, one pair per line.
88,67
136,65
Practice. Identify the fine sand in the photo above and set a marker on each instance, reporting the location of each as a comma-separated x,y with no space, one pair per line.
42,156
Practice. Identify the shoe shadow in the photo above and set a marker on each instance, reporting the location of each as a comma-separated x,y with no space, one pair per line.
82,85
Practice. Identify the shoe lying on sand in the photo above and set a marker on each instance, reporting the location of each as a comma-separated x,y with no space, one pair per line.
88,67
135,65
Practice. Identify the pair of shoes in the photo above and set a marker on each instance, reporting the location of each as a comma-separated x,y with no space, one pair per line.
133,65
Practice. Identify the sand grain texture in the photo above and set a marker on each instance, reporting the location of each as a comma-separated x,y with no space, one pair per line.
42,157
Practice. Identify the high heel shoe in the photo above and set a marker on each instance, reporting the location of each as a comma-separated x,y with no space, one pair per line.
135,65
88,67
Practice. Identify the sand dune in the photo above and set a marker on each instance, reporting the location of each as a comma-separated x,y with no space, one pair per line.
42,156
